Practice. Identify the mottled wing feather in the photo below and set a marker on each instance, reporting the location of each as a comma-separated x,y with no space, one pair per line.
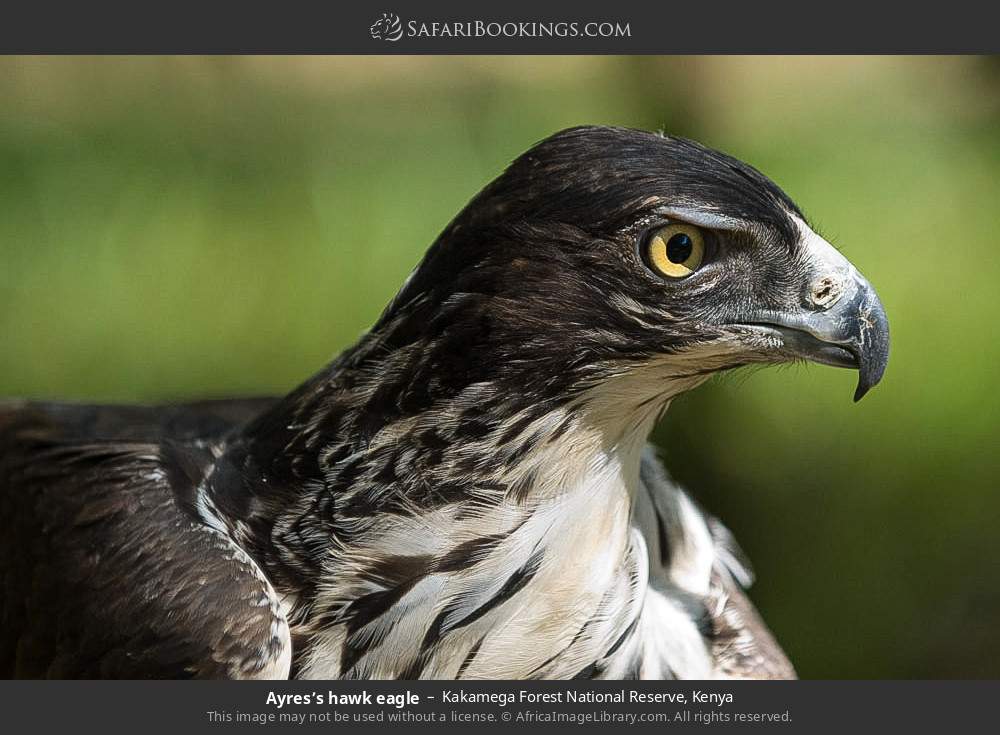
107,575
742,645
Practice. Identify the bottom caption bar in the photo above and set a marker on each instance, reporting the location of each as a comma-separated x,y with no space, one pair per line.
814,707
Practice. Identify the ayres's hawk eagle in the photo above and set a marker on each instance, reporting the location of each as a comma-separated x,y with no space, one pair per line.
467,491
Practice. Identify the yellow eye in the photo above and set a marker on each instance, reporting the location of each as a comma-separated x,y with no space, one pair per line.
676,250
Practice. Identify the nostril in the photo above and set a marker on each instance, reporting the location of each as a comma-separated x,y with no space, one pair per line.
826,291
822,289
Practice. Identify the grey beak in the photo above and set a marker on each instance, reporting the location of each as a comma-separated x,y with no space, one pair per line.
852,332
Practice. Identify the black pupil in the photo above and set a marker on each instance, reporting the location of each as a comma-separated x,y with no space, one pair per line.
679,248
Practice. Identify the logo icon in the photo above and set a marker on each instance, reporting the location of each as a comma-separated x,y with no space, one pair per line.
387,28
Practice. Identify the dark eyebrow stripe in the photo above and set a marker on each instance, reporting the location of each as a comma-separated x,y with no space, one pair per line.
786,228
708,219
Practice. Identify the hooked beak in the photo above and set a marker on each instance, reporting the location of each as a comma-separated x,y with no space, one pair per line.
850,331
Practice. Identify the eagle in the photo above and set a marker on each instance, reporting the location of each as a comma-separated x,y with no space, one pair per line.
467,492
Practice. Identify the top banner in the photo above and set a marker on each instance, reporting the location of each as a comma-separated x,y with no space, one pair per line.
503,28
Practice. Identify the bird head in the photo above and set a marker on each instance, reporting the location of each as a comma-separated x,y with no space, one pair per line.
604,251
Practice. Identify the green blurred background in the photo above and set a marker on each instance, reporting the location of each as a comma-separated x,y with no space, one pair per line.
186,227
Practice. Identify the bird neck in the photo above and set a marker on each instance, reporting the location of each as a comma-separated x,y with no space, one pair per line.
386,418
383,433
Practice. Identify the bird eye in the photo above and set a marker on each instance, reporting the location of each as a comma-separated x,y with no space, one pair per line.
675,251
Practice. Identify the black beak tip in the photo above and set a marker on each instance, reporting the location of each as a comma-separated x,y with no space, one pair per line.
870,375
874,356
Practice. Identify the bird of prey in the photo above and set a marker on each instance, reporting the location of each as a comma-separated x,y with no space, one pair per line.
467,492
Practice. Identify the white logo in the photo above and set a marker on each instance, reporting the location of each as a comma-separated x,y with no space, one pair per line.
387,28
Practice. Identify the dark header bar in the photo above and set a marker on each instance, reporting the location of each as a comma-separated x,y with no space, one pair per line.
440,27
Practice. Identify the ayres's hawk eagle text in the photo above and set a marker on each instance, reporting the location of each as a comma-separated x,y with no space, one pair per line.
467,491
